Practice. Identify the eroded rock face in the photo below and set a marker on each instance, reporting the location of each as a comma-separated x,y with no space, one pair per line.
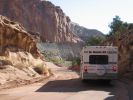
19,54
40,16
13,37
125,46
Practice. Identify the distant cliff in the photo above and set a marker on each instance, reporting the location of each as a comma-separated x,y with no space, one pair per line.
85,33
45,18
40,16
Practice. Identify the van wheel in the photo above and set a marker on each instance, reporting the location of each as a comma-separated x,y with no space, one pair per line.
108,81
84,80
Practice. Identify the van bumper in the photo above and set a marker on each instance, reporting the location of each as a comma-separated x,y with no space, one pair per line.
95,76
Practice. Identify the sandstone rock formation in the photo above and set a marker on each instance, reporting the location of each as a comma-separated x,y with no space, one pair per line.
19,54
40,16
13,37
125,46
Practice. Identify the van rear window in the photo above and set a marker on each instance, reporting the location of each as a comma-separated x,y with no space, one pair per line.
98,59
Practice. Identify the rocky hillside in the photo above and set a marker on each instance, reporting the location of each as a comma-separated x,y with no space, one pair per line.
18,53
40,16
85,33
66,51
125,46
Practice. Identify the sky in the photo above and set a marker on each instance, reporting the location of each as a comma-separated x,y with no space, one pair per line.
96,14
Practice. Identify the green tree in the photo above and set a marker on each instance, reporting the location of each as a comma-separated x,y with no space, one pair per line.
94,41
117,27
130,26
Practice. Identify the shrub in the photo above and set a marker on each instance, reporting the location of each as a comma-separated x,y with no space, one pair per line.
5,62
39,68
94,41
76,61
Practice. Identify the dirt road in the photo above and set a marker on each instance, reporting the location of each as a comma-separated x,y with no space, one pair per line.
66,85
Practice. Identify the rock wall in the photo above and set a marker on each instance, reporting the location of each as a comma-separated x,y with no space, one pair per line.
40,16
125,46
19,54
13,37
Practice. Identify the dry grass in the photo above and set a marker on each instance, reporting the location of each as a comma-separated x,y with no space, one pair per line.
39,68
43,70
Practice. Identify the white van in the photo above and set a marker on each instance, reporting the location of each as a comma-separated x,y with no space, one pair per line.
99,62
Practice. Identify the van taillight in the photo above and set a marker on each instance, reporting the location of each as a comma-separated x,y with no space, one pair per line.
114,68
85,68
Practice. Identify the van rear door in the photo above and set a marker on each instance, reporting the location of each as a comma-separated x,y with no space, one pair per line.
98,64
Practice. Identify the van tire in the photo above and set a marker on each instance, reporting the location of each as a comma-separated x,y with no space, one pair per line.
108,81
84,80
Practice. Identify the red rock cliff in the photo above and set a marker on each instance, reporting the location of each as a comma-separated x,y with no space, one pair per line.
39,16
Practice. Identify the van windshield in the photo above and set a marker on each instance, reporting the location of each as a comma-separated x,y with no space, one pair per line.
98,59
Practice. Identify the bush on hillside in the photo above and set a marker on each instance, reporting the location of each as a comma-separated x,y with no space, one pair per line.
39,68
76,61
94,41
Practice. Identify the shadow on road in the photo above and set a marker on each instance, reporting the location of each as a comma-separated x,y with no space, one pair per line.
75,85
